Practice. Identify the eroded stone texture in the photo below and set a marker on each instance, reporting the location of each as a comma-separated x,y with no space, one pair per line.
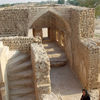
19,43
94,94
41,70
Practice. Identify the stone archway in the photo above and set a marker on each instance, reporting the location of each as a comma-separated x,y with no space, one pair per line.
59,32
55,24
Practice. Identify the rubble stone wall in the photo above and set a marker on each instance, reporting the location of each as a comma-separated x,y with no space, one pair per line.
41,70
13,22
84,51
19,43
86,23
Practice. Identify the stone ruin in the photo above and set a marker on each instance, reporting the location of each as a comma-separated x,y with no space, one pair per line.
70,27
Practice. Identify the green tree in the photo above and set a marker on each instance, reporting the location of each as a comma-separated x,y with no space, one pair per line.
89,3
61,1
86,3
97,10
73,2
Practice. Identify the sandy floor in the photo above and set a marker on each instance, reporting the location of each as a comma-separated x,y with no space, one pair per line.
65,83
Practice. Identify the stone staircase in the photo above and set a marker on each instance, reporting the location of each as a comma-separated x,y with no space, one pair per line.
56,54
20,82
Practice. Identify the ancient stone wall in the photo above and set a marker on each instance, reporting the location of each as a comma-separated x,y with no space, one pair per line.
86,23
19,43
41,70
13,22
84,52
68,36
4,50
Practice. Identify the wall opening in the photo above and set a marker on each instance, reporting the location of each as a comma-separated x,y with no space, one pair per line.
30,32
45,34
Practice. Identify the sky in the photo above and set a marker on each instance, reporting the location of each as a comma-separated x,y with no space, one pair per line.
18,1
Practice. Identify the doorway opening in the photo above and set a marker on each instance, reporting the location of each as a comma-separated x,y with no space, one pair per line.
45,34
30,32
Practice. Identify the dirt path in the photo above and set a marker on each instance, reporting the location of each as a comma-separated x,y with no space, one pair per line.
65,83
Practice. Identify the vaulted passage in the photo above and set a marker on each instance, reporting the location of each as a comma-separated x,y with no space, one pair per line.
63,81
55,36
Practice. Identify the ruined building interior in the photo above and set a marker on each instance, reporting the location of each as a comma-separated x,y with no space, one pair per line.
48,52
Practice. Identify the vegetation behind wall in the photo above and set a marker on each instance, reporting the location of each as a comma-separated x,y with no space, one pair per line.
87,3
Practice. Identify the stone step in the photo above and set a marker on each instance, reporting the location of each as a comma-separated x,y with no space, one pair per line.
56,54
58,59
21,92
26,97
18,60
24,66
20,80
21,83
20,75
57,63
13,54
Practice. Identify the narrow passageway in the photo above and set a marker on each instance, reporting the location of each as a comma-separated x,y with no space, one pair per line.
56,54
63,81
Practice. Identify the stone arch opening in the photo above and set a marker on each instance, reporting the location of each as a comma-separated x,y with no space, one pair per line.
58,47
55,24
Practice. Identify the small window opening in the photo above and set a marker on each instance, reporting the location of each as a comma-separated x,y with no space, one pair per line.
30,32
45,33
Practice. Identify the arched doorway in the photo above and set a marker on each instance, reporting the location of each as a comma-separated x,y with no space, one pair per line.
58,47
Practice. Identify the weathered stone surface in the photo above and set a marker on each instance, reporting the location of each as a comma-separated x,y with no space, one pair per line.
20,43
94,94
41,70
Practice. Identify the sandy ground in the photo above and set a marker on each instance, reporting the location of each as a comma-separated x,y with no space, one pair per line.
65,83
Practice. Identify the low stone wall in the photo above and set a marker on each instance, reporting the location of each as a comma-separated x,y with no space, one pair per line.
3,71
20,43
41,70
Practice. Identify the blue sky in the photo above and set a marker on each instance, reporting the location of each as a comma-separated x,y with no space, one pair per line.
18,1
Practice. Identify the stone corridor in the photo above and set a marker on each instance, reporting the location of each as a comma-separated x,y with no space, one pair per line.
63,81
56,54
